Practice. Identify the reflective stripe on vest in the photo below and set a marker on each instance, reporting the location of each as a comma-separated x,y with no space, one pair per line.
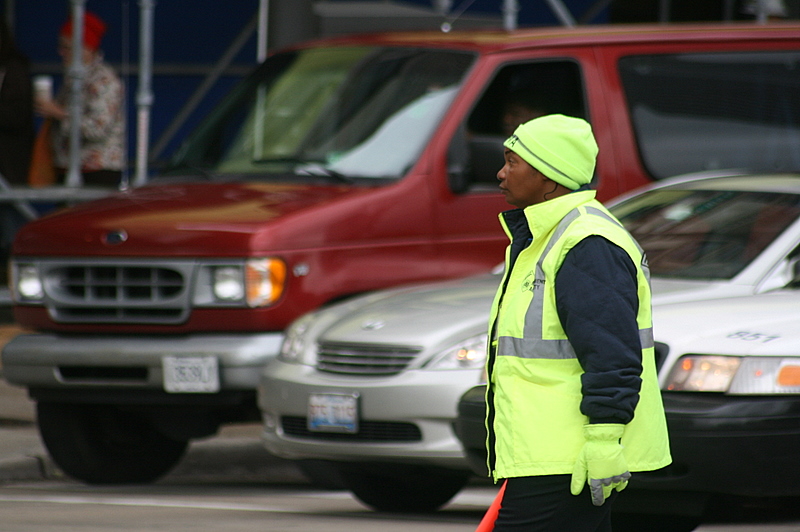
533,345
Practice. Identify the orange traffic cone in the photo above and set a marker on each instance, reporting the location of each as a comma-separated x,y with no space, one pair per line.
487,523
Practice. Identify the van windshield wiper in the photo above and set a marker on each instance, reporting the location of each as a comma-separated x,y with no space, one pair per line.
308,167
317,169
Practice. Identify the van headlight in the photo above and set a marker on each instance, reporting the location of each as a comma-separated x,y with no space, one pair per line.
27,283
467,354
254,282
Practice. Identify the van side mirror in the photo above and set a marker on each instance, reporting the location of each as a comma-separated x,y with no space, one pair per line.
474,160
458,162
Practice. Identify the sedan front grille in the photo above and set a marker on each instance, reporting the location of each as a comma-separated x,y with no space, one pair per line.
365,360
368,431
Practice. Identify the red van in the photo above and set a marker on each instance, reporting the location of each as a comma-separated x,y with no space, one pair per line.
340,167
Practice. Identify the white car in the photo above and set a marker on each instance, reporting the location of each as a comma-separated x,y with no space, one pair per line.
365,392
730,379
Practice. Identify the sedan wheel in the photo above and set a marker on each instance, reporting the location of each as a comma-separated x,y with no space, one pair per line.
403,488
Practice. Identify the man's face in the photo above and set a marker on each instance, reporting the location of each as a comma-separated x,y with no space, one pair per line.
522,184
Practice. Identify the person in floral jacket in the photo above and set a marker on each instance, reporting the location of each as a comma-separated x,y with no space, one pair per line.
103,118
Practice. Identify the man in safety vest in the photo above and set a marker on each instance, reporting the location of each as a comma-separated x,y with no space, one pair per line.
572,395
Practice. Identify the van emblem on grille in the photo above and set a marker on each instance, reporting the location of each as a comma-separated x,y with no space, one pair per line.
113,238
373,325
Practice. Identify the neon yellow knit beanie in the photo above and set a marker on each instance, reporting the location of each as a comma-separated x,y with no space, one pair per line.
561,147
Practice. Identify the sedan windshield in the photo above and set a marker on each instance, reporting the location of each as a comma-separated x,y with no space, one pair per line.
338,112
705,234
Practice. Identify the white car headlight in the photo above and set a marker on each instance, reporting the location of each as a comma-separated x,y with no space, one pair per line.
767,375
295,340
702,373
467,354
735,375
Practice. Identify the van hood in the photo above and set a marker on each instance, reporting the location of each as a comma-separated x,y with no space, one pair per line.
187,219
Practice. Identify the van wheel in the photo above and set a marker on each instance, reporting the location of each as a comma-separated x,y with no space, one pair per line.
403,488
100,444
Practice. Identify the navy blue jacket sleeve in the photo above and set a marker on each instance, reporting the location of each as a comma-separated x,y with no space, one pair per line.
597,303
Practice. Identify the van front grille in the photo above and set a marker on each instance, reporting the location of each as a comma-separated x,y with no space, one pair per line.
118,292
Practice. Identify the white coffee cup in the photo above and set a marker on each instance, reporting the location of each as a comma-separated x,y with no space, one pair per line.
43,87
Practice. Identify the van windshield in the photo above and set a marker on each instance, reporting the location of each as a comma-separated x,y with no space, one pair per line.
732,110
339,113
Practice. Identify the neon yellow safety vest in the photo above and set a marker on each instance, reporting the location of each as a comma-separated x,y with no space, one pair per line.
534,422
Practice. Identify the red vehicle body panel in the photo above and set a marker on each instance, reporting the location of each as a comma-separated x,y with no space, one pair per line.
359,239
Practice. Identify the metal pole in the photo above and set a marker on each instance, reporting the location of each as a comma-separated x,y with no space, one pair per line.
77,72
144,97
205,86
263,20
510,10
762,14
561,12
664,11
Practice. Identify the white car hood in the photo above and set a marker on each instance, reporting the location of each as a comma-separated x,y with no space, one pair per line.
667,291
761,325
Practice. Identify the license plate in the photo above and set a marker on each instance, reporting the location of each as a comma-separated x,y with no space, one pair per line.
333,413
190,374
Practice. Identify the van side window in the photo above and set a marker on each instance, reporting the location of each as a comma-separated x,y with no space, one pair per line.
696,112
519,92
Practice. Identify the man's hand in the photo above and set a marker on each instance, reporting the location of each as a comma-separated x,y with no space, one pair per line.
601,463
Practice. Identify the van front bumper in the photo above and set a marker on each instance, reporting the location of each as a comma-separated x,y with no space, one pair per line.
131,364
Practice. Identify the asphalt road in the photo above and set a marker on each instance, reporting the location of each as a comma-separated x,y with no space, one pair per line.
230,482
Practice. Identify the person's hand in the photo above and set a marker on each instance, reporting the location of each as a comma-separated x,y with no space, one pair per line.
48,108
601,463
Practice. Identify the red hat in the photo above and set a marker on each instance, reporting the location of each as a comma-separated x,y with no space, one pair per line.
93,30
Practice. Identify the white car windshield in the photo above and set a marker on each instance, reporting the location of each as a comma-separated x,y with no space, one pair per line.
706,234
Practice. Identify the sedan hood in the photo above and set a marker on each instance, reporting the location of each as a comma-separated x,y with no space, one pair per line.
186,218
424,315
429,315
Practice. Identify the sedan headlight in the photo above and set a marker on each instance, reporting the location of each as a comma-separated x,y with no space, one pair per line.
295,340
467,354
27,283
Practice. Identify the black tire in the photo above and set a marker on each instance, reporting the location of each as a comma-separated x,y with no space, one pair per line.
403,488
322,474
100,444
